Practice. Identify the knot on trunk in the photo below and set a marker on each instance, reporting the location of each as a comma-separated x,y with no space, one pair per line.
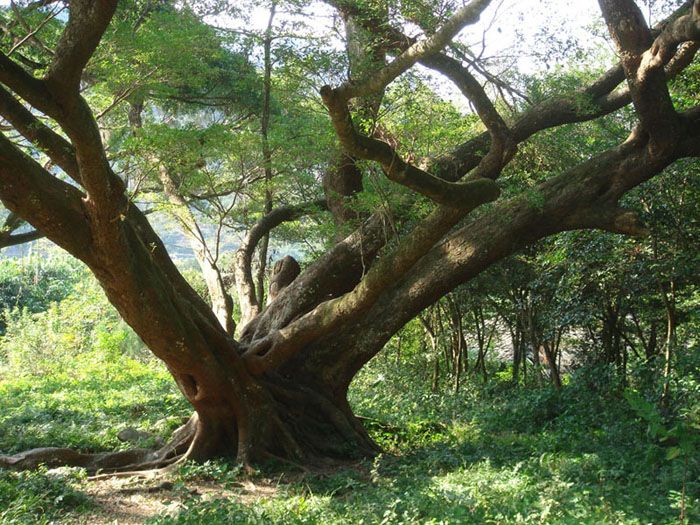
283,273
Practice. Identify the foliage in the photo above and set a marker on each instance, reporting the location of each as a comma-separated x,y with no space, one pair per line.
40,496
82,328
77,374
31,284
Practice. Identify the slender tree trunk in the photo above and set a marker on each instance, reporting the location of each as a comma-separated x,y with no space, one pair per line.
436,375
516,343
669,299
550,351
460,346
441,339
434,351
398,348
534,341
267,153
221,301
478,328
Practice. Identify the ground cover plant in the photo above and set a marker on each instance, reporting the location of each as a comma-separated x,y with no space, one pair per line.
492,453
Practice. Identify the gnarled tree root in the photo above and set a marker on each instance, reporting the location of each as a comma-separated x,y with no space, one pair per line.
107,463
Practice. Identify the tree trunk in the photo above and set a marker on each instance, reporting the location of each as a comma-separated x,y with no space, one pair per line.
550,350
516,344
267,152
669,299
533,340
221,301
434,351
436,375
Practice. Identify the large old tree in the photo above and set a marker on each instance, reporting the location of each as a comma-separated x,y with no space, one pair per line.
278,388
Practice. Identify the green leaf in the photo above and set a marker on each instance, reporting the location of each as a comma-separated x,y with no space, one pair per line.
673,453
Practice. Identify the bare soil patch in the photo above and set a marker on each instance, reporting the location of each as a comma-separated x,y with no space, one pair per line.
130,501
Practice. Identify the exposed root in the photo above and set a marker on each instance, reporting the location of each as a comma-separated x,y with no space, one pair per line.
106,463
52,457
144,471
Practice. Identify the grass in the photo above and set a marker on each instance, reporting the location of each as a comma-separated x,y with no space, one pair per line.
38,497
87,409
493,453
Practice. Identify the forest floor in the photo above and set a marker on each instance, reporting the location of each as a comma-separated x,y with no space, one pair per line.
493,453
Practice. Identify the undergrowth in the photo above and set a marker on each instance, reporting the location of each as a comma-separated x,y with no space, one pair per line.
596,452
491,454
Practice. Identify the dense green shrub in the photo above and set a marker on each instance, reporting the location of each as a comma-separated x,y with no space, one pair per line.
82,327
33,284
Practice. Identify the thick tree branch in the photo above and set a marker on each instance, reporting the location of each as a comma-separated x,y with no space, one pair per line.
73,114
683,29
58,149
584,196
463,195
31,89
396,169
52,206
87,21
645,76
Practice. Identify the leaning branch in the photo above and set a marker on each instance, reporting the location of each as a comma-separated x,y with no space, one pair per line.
31,89
52,206
644,70
87,22
456,195
58,149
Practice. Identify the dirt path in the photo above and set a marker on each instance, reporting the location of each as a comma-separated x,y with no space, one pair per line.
130,501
